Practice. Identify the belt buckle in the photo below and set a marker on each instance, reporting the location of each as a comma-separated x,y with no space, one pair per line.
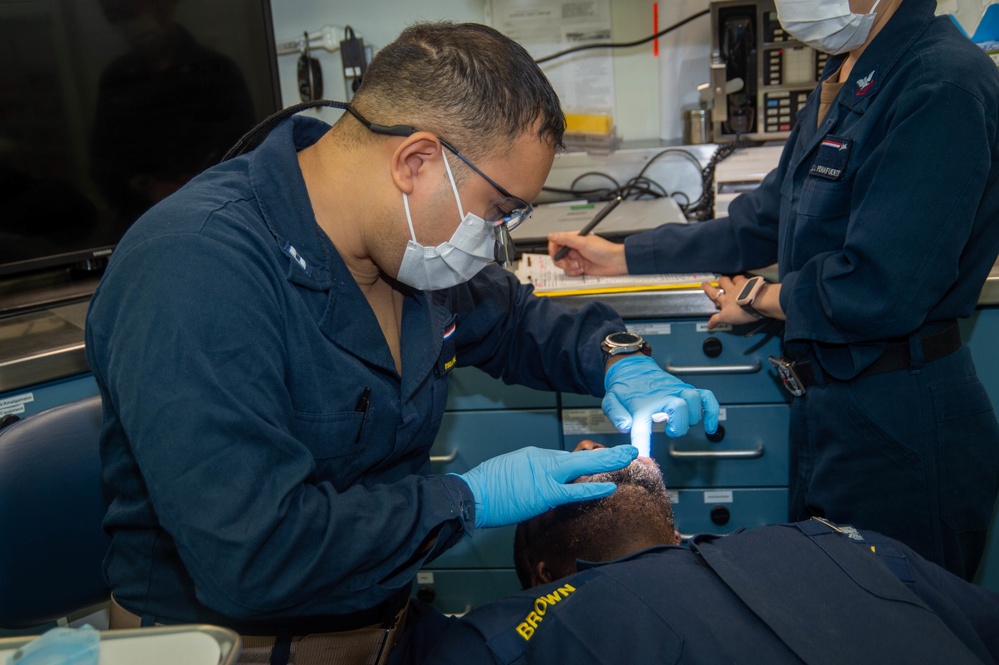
788,376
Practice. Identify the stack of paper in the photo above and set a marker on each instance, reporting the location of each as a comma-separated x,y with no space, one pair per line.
539,271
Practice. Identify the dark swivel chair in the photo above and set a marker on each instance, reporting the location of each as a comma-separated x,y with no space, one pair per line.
51,507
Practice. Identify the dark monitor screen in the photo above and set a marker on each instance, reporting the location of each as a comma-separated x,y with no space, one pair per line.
108,106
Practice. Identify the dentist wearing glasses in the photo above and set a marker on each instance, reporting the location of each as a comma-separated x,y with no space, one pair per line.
273,345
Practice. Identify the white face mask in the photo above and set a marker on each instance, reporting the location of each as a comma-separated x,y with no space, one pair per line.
470,249
826,25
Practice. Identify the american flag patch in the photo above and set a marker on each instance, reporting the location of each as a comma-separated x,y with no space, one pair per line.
450,331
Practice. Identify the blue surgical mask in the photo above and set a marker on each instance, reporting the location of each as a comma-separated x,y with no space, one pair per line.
471,248
826,25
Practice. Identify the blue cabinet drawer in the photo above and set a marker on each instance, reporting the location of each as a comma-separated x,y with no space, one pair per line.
725,510
486,548
29,401
980,333
753,450
471,388
458,591
734,367
467,438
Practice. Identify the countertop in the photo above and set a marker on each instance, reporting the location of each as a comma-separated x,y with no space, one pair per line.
47,343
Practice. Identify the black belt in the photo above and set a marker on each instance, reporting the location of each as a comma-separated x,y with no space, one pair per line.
797,375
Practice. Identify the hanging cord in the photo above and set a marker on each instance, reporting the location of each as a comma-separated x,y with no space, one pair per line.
637,187
704,208
637,42
256,135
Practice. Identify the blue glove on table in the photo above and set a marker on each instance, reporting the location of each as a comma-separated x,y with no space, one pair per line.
640,391
61,646
517,486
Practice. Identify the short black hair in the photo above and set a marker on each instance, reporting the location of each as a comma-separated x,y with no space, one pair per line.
465,82
595,530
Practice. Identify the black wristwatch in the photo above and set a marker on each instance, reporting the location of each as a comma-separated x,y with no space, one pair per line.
624,343
751,290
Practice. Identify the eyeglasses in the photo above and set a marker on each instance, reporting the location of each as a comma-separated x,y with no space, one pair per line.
508,213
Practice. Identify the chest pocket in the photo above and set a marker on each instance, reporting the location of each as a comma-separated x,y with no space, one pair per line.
340,443
822,199
822,216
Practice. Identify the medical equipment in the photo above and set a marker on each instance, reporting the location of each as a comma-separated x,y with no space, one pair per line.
354,56
760,75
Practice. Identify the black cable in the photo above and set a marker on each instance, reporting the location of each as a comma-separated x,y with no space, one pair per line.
704,207
635,188
686,200
685,153
640,186
640,179
256,135
604,194
637,42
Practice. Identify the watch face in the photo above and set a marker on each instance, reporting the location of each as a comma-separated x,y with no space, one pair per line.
747,288
624,338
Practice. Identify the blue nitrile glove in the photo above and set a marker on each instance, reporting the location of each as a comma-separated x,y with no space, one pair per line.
517,486
61,646
639,392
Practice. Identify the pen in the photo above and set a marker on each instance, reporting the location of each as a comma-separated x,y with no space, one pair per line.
362,407
606,210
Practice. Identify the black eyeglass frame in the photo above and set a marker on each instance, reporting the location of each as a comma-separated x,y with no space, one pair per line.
523,209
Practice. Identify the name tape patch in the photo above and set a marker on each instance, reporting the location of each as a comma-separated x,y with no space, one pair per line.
832,158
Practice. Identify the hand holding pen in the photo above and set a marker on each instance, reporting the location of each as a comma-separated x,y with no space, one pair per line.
593,255
599,217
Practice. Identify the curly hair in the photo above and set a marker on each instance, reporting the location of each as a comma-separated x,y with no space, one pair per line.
598,530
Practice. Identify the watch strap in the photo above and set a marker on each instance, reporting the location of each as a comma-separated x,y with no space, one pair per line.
752,310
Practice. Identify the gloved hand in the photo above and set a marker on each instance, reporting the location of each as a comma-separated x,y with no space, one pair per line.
639,392
62,646
517,486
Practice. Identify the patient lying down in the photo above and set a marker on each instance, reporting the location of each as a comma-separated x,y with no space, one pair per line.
607,581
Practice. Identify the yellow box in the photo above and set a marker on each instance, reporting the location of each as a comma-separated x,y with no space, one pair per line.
584,123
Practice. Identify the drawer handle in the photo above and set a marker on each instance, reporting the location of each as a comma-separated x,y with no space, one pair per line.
715,454
444,459
752,368
685,537
468,608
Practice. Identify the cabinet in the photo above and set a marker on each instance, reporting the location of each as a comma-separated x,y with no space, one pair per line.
735,478
981,333
717,483
29,400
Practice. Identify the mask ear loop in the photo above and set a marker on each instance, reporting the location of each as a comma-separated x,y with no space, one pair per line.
454,185
409,217
454,188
